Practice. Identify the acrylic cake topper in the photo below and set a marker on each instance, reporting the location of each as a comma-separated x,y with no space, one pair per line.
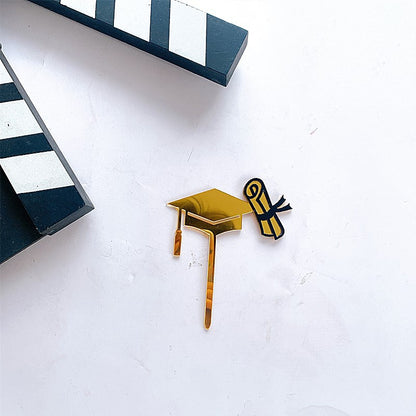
266,213
214,212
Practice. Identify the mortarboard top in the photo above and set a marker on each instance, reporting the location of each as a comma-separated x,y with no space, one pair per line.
213,211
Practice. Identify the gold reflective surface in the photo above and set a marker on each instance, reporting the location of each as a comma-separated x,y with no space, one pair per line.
212,212
265,211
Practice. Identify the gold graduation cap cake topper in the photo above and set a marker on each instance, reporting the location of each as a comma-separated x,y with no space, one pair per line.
214,212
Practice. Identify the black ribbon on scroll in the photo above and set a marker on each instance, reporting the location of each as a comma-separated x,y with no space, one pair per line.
266,213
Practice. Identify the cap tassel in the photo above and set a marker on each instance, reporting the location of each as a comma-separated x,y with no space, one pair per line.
178,236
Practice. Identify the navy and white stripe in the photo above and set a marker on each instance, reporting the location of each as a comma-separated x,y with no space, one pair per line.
170,29
33,165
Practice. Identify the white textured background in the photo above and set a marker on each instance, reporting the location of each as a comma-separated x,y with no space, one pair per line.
101,320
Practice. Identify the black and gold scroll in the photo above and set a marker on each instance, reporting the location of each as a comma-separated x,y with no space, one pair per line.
266,213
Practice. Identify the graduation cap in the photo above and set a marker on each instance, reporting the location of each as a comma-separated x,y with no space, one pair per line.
212,212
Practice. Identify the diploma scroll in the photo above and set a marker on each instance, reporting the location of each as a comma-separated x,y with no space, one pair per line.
266,213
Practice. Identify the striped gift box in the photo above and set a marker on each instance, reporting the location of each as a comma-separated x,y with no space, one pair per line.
39,192
169,29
